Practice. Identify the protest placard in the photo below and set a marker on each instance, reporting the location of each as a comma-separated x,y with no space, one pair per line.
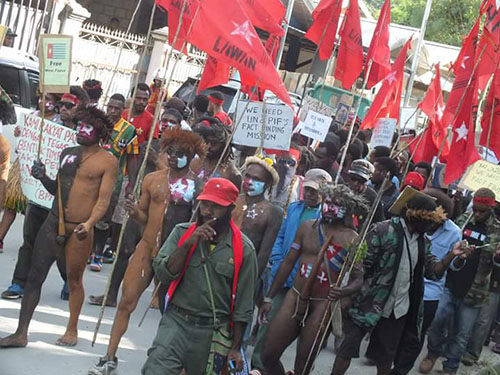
55,139
482,174
3,33
279,124
343,110
408,118
316,126
311,104
55,62
383,132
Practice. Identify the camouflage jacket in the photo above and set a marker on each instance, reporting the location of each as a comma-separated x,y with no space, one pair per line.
385,246
479,290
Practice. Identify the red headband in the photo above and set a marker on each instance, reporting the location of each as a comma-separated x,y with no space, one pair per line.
295,153
70,98
215,100
484,201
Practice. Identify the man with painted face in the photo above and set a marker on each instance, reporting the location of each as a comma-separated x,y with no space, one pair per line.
173,190
467,289
297,213
215,135
82,190
299,316
289,186
170,118
389,301
211,268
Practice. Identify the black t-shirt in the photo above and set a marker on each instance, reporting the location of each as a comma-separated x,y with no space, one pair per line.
459,282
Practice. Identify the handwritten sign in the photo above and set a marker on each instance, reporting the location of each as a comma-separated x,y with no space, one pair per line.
55,139
316,126
55,62
383,132
278,120
408,118
482,174
311,104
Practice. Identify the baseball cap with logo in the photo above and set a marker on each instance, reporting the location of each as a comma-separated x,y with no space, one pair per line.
315,177
362,168
220,191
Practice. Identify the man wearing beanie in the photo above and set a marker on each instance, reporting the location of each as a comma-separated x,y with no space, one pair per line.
212,270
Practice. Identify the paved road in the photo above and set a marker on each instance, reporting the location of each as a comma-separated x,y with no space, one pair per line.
42,357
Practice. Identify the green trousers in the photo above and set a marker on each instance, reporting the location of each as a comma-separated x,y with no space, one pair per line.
261,333
178,345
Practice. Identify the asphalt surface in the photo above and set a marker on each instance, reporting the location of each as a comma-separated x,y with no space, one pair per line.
43,357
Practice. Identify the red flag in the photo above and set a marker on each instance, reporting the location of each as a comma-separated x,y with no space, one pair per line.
425,148
379,52
230,37
215,73
463,148
324,27
350,57
494,122
489,58
388,99
265,14
463,69
492,22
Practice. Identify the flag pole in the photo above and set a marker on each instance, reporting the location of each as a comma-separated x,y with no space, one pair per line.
353,122
288,15
140,174
457,110
492,115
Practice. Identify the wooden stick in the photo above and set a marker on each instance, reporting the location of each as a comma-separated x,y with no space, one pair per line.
42,123
137,184
155,292
353,122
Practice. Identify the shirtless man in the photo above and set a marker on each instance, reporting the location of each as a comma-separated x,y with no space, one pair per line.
215,135
179,148
86,176
338,205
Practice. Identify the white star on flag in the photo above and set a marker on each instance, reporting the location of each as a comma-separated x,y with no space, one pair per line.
462,65
440,110
462,132
498,4
245,31
391,77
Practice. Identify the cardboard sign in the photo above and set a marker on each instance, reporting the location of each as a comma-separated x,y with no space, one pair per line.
3,33
383,132
343,110
279,124
55,139
55,62
316,126
311,104
406,195
482,174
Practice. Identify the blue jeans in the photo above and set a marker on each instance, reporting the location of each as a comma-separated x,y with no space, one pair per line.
453,346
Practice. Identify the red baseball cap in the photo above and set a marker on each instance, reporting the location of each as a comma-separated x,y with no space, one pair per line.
415,180
220,191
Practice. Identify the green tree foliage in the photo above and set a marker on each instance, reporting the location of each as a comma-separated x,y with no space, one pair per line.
449,20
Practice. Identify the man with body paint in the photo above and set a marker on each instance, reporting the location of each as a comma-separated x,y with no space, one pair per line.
300,315
84,184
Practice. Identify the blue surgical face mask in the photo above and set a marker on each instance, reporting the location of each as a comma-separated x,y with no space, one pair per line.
182,162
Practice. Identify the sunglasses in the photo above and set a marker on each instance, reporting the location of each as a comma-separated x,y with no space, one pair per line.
66,105
290,162
173,152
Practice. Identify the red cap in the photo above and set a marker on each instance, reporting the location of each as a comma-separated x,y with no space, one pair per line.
220,191
415,180
70,98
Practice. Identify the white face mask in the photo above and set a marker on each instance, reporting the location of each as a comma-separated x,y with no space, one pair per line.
182,162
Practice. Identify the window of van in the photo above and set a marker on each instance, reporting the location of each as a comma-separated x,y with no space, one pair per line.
34,81
10,82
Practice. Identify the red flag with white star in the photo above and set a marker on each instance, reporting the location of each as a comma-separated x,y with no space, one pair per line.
463,146
324,27
388,99
487,121
265,14
230,37
379,52
426,149
214,73
350,57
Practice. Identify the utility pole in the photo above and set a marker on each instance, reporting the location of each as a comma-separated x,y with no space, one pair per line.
414,65
288,16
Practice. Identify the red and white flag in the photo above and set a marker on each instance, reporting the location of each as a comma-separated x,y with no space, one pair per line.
350,56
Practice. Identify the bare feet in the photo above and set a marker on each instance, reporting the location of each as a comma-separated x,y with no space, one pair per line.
14,341
97,300
68,339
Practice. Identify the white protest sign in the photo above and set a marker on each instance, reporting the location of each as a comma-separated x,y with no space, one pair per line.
279,124
316,126
408,118
55,139
311,104
383,132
